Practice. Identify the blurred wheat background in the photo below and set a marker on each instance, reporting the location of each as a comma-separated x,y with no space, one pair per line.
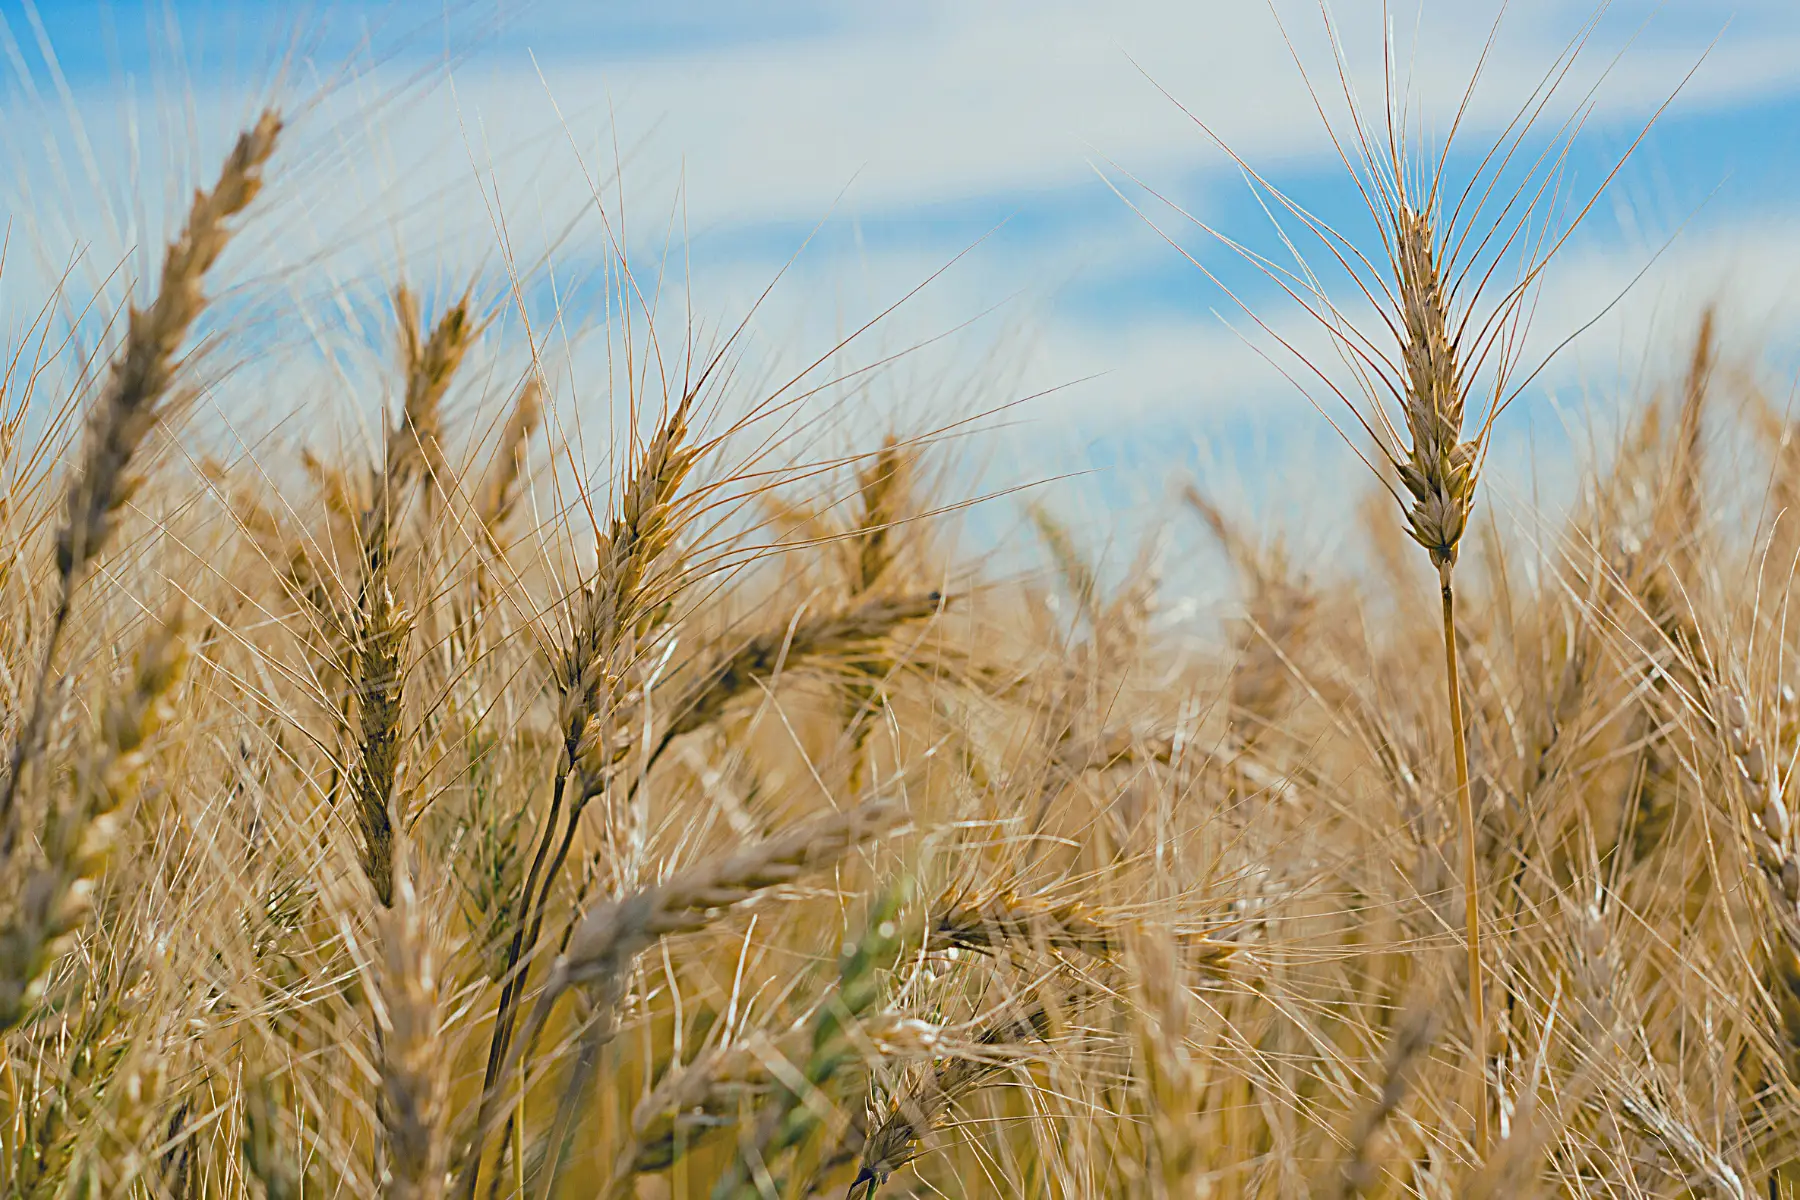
743,629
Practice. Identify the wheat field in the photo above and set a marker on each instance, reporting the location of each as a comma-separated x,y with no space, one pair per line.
462,818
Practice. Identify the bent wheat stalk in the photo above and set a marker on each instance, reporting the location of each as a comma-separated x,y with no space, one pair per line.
610,936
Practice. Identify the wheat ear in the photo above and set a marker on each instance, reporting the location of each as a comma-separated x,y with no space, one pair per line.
266,1159
687,1103
1771,845
139,380
609,938
606,618
881,487
987,923
500,490
383,627
379,667
1439,470
412,1087
1411,1042
923,1102
56,898
786,1120
414,447
814,639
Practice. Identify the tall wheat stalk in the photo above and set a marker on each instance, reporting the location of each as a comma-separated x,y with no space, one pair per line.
137,387
1442,337
607,618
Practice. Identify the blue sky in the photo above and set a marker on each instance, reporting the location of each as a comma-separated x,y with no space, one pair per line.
896,137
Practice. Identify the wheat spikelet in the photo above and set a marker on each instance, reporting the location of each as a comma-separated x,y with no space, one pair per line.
138,382
429,364
1680,519
1707,1171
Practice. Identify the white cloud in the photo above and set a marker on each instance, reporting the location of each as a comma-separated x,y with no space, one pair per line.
968,108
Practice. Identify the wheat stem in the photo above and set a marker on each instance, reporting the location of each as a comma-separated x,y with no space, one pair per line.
1465,804
141,376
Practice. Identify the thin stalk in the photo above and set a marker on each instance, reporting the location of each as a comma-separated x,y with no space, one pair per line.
1465,804
518,966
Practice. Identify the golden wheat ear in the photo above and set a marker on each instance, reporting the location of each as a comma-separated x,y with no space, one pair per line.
499,493
1434,262
606,620
906,1120
412,1066
54,903
138,384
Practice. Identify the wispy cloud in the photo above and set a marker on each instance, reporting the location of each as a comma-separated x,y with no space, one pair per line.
911,133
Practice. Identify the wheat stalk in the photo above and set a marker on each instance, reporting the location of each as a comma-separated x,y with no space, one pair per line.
608,939
55,899
138,383
1442,337
606,619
